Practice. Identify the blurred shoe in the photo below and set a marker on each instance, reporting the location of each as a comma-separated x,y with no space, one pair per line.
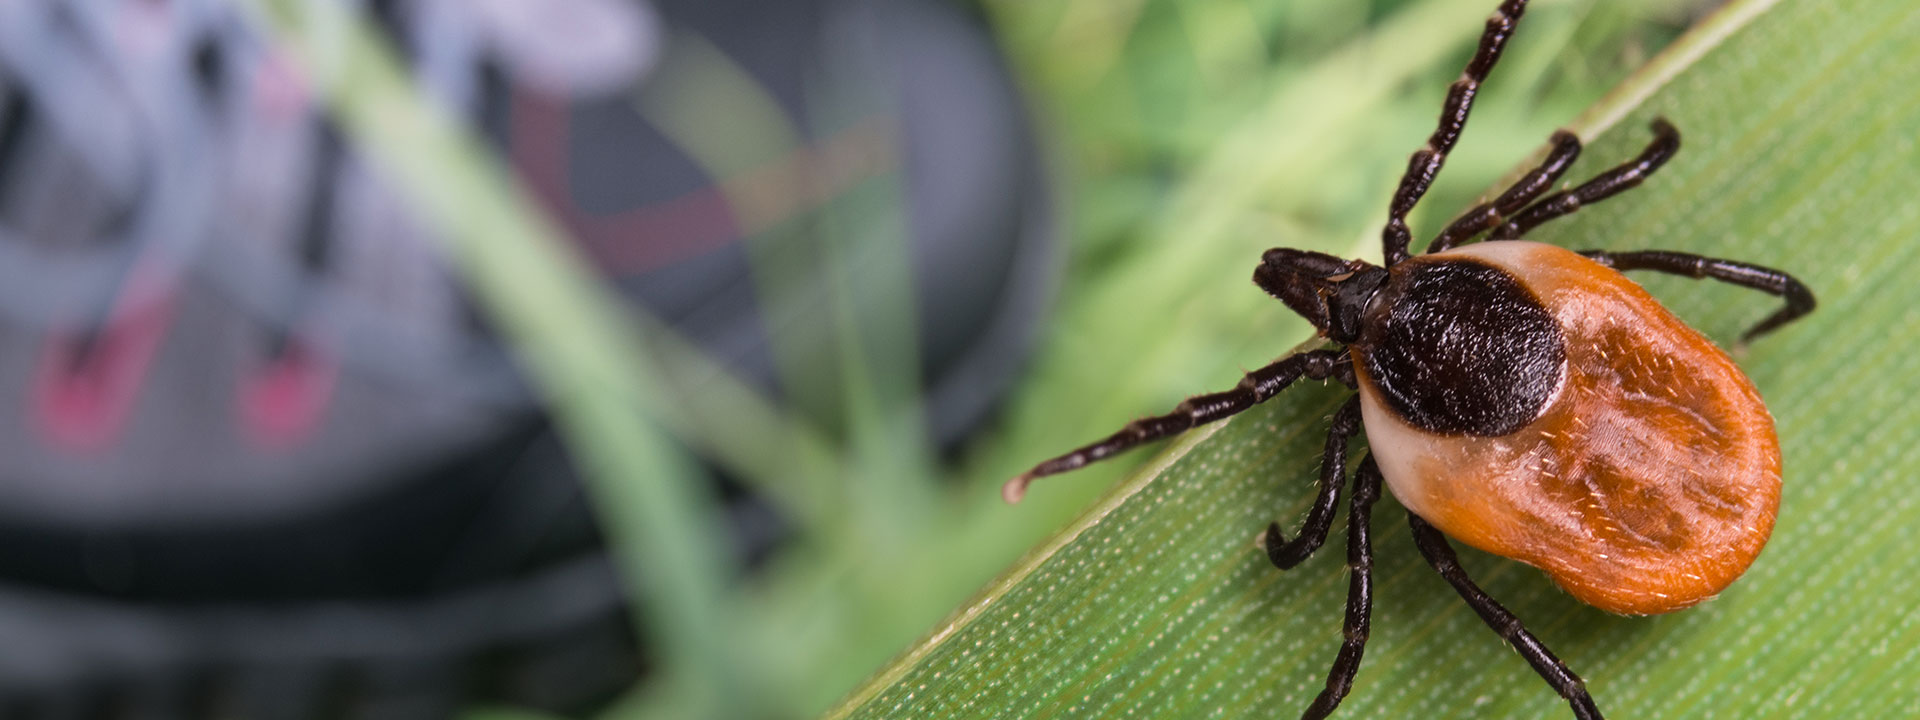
260,456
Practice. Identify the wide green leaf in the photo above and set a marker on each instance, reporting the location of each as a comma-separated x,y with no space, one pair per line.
1800,120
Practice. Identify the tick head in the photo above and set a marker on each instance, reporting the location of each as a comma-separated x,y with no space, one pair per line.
1330,292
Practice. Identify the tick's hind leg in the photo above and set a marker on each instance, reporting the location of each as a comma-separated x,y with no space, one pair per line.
1333,473
1767,280
1433,546
1487,216
1255,388
1666,142
1366,489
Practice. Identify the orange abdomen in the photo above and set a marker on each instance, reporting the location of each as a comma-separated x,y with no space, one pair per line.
1647,484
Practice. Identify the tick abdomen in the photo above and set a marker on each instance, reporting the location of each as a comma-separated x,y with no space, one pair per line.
1645,479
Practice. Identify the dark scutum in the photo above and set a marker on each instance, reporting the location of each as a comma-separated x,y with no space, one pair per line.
1460,348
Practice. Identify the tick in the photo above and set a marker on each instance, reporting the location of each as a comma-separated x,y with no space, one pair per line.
1526,400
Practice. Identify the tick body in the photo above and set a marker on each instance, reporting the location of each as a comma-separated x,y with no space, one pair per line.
1524,399
1613,447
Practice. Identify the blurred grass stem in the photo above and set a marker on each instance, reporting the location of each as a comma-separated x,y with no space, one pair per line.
584,356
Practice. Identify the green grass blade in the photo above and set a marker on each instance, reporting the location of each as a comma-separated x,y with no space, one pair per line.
1801,126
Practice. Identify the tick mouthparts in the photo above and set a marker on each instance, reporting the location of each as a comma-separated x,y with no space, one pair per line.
1016,488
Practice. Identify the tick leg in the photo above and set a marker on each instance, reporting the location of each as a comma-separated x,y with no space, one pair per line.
1767,280
1333,473
1425,162
1666,142
1440,555
1366,489
1487,216
1253,389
